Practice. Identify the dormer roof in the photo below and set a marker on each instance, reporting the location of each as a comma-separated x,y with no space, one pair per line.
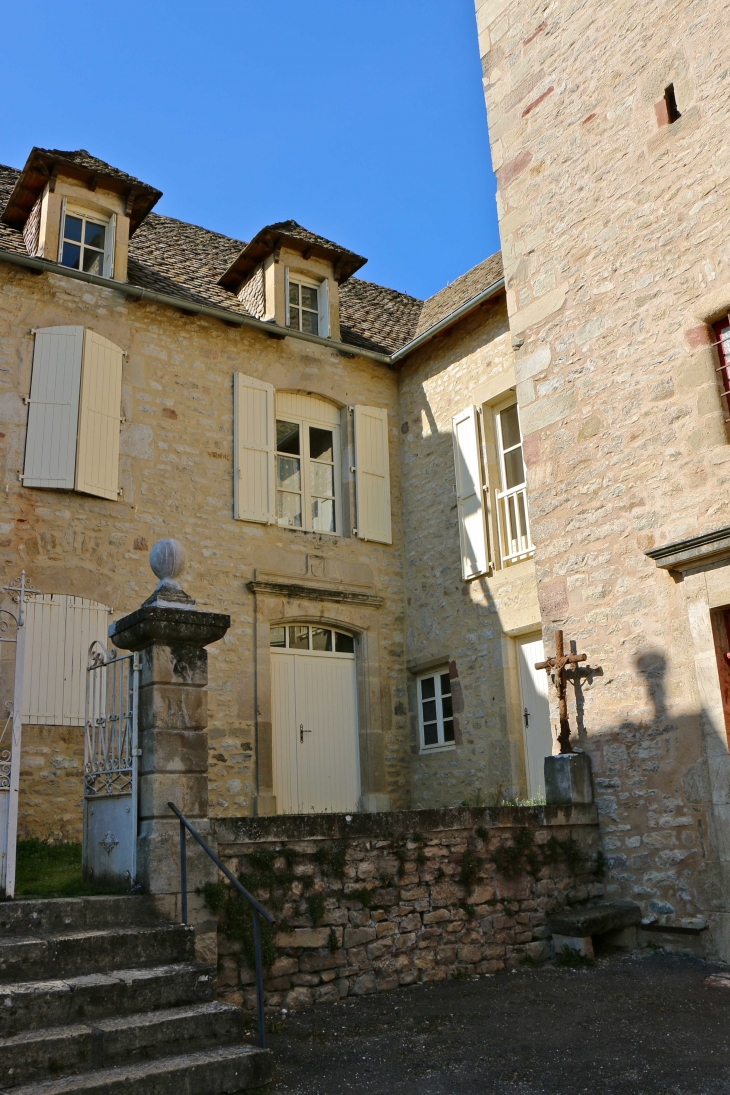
292,235
44,164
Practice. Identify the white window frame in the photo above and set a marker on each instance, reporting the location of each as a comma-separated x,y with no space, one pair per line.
304,425
435,675
109,223
293,278
511,549
309,651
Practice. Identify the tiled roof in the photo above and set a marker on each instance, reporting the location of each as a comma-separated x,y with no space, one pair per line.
291,228
184,260
460,291
82,158
290,234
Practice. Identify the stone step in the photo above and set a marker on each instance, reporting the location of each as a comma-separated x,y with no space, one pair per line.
30,1005
598,919
28,958
52,915
220,1071
42,1054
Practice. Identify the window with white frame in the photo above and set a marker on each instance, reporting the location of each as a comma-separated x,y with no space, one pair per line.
304,637
511,497
303,307
307,457
86,242
435,711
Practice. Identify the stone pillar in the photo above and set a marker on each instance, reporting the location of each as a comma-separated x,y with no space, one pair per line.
568,779
171,637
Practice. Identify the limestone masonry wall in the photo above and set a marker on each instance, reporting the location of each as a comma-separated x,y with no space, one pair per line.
367,903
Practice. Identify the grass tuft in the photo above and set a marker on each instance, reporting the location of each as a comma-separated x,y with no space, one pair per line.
45,869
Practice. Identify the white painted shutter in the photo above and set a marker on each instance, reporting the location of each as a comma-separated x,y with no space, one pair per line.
372,474
323,296
110,237
470,494
97,458
59,632
254,443
50,440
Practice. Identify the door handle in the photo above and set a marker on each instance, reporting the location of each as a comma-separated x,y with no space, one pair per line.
302,732
527,718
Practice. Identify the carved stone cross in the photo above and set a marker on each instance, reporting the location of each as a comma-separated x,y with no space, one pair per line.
558,665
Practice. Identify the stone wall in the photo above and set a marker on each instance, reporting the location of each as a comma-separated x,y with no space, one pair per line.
463,624
372,902
50,803
615,250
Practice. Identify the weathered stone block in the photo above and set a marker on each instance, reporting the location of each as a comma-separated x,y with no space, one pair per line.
568,779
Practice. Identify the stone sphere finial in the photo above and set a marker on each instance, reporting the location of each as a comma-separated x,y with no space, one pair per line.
167,559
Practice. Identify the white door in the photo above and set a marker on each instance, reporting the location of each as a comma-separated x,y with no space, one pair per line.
536,729
314,715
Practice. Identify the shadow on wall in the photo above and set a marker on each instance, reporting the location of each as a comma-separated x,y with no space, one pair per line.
654,792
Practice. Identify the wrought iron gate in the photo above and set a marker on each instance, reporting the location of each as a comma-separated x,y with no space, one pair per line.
110,768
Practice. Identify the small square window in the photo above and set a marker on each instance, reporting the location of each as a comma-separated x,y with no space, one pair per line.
344,644
277,636
303,307
85,244
321,638
435,711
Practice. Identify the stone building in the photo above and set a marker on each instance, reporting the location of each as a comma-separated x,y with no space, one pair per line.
293,426
607,138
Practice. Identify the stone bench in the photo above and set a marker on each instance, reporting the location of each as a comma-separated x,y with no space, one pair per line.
614,921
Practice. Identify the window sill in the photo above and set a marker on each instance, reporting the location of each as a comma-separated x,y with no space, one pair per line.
428,750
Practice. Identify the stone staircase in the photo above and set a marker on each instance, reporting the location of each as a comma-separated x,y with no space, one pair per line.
98,995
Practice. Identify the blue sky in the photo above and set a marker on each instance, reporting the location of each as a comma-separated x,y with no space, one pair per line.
364,120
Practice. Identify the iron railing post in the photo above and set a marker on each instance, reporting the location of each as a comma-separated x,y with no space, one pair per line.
183,877
259,978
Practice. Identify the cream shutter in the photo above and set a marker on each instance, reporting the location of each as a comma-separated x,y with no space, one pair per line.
323,297
50,440
97,457
372,474
254,443
470,494
59,632
111,232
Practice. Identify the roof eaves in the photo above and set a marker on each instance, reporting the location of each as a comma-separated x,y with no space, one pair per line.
449,320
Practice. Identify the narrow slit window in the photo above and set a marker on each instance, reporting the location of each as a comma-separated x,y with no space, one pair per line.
722,338
670,99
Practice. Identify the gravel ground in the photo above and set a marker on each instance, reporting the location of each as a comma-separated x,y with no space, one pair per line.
638,1024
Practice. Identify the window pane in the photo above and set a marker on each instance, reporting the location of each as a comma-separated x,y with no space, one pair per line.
287,437
71,255
321,638
289,509
309,298
93,262
320,444
430,735
449,730
510,427
344,644
445,684
310,323
278,636
293,292
428,688
95,235
298,637
72,229
446,708
322,479
514,469
293,319
287,473
429,710
323,515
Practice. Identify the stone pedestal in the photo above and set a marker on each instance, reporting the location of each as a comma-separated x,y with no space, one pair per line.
173,715
568,779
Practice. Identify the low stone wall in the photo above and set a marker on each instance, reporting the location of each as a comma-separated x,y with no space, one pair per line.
369,902
50,802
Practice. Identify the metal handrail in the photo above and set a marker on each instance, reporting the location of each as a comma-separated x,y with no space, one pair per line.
258,910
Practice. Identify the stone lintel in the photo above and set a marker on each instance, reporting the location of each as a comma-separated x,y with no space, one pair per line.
304,592
692,551
168,627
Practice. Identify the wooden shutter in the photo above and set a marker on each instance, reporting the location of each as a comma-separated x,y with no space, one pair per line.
372,474
254,443
59,632
50,440
97,457
470,494
61,229
111,233
323,296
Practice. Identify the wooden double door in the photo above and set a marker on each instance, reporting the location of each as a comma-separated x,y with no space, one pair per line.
314,709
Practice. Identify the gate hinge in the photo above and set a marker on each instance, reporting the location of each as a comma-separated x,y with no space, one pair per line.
136,752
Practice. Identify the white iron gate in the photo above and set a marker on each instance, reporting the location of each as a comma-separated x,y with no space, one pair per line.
12,630
110,768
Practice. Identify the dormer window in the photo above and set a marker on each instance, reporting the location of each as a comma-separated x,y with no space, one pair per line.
86,242
303,307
